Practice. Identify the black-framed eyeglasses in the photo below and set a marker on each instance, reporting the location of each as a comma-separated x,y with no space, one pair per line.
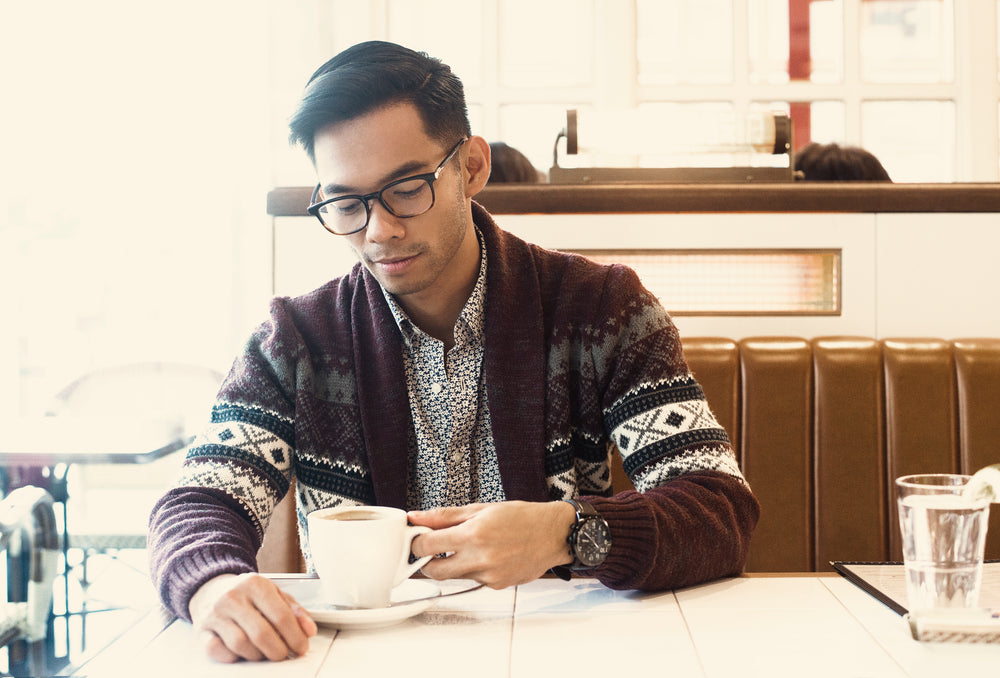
403,198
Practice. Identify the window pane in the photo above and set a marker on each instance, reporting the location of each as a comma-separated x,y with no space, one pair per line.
767,23
915,140
547,42
785,46
827,122
826,40
418,25
684,41
131,219
908,41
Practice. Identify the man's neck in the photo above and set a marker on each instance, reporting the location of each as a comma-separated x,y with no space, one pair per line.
441,326
436,313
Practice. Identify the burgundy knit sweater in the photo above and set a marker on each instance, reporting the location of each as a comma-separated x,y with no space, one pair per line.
578,355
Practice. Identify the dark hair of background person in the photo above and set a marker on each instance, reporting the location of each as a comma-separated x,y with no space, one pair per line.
831,162
374,74
509,165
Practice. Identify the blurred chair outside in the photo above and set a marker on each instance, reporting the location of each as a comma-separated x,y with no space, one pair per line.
30,540
108,504
105,506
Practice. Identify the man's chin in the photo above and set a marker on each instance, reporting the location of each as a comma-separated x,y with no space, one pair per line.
396,286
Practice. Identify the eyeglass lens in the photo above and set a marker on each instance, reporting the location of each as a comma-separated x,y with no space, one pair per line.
408,198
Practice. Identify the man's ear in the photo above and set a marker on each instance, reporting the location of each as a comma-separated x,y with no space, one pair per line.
477,165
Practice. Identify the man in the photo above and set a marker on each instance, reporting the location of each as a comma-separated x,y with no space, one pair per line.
833,162
457,372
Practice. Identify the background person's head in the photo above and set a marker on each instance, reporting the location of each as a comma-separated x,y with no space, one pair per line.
509,165
832,162
375,74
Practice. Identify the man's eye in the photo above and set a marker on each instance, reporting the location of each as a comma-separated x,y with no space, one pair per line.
345,208
409,191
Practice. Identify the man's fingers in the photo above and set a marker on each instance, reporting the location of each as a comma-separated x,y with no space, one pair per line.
449,533
446,542
236,641
216,649
439,518
274,630
253,619
301,620
447,568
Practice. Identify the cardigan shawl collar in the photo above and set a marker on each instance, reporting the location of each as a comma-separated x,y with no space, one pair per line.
514,366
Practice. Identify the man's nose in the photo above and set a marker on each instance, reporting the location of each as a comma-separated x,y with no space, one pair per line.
382,224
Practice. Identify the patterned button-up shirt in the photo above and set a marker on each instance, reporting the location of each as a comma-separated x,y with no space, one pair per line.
454,461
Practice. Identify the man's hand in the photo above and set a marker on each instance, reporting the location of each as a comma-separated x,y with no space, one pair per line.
498,545
248,617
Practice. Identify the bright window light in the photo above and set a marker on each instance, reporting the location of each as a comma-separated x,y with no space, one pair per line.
736,282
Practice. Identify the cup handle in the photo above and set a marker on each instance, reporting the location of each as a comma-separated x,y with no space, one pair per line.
406,568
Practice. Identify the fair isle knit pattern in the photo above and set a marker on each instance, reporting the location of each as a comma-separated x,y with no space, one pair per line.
240,446
666,430
578,357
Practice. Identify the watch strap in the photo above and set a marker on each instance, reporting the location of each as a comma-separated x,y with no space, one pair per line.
584,512
564,572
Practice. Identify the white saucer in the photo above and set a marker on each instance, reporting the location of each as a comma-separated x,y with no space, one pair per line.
408,599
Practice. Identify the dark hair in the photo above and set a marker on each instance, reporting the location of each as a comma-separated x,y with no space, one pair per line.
830,162
374,74
507,164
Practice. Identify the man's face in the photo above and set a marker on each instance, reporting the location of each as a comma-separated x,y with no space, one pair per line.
417,257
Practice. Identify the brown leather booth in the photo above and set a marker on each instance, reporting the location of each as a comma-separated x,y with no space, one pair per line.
822,427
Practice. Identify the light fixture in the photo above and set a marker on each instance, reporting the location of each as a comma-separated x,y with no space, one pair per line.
680,146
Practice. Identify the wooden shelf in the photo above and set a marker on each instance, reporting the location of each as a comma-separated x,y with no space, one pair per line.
658,198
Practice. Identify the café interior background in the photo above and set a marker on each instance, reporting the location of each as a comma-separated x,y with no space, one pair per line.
140,139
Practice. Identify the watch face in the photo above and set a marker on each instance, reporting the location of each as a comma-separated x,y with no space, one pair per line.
592,542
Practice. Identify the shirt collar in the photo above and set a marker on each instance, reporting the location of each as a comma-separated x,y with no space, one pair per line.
471,321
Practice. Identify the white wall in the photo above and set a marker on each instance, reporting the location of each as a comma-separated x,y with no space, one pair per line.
938,273
903,274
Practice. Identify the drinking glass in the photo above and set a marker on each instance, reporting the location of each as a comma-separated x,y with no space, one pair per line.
944,537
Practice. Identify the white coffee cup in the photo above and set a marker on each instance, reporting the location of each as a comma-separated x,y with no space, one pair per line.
362,552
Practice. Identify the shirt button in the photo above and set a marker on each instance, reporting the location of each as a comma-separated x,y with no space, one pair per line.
436,388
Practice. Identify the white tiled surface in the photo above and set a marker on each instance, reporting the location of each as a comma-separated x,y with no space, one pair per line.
583,628
779,627
432,644
920,660
789,626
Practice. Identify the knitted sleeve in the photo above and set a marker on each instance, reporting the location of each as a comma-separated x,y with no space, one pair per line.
692,515
237,469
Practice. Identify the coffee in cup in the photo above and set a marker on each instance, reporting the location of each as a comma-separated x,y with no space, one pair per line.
362,552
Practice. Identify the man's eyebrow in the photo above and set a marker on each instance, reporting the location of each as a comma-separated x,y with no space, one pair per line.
406,169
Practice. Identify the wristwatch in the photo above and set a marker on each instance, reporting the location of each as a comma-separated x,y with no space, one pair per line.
589,539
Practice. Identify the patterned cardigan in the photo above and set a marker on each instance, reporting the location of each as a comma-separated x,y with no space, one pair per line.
578,355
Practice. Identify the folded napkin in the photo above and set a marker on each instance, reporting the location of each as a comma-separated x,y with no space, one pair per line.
955,626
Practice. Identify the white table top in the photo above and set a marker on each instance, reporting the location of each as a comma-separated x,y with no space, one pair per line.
46,441
795,625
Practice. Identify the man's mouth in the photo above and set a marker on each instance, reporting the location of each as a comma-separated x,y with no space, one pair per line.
393,265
